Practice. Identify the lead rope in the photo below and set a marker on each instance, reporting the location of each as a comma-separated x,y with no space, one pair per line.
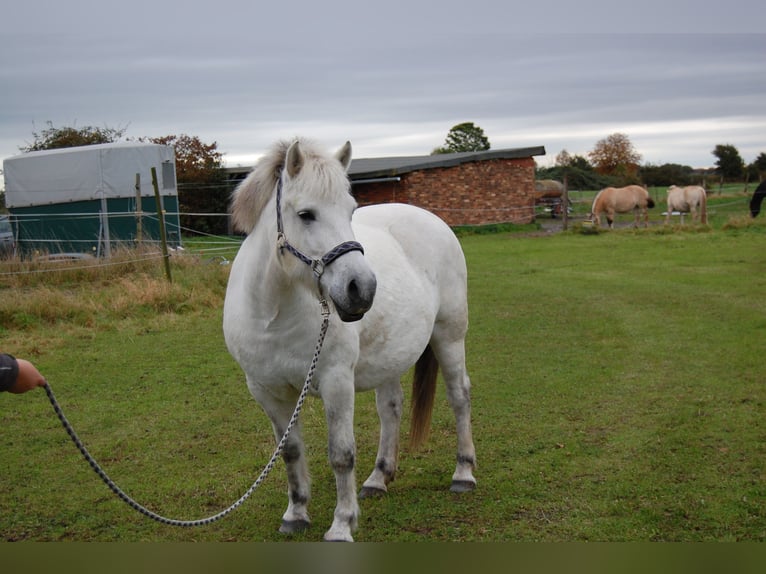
267,469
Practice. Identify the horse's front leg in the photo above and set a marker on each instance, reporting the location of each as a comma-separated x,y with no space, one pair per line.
296,517
388,399
338,398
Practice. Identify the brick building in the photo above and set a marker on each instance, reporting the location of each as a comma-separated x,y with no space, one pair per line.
471,188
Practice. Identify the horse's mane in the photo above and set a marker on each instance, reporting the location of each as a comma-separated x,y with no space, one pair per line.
595,201
252,195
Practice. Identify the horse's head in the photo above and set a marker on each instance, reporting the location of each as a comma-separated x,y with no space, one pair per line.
315,208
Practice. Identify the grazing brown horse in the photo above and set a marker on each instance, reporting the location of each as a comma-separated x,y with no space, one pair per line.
687,200
611,200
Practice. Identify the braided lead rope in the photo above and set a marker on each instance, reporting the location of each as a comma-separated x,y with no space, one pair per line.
267,469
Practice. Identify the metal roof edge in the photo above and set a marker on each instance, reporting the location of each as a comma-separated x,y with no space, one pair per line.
366,168
84,149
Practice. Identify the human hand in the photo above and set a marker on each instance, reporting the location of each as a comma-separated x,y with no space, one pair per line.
29,378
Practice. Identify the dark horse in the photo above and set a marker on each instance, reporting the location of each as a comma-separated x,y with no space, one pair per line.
758,195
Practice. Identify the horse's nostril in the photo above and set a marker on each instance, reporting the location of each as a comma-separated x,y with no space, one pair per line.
353,291
360,294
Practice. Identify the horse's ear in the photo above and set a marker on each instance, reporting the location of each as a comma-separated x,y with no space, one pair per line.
343,155
294,159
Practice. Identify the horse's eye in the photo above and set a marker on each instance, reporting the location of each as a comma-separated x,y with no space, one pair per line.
307,216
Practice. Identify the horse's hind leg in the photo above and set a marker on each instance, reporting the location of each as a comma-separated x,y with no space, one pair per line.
388,399
450,352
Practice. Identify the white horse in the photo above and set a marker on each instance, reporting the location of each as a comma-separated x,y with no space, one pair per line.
687,200
411,264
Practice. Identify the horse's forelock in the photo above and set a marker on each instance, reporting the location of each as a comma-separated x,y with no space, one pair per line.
252,195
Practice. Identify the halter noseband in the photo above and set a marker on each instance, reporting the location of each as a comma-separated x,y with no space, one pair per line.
317,265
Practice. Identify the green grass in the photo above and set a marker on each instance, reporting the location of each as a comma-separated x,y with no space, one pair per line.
617,394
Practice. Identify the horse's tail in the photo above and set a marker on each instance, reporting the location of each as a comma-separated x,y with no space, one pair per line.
649,200
703,207
423,393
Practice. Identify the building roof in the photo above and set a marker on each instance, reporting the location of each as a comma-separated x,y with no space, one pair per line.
382,167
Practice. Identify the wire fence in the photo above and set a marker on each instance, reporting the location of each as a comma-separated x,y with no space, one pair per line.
211,246
80,253
52,252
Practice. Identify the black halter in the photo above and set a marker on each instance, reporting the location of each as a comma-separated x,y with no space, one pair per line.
317,265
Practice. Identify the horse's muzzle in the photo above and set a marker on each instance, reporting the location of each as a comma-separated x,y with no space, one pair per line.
354,299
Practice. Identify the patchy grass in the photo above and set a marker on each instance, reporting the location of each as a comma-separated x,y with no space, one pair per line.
617,393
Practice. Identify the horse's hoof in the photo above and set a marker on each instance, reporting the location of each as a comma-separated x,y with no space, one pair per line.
294,526
332,536
460,486
339,539
371,492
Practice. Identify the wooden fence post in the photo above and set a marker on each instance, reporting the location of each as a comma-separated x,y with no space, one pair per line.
161,218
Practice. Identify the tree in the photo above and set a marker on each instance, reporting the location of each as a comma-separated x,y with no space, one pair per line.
666,174
578,171
579,162
196,162
615,155
201,186
729,164
464,137
563,159
57,138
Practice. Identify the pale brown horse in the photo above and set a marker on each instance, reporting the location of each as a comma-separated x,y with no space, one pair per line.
611,200
687,200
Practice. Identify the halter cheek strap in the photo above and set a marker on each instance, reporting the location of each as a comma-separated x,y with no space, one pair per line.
317,265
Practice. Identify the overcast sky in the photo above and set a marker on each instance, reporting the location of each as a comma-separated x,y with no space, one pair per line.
392,76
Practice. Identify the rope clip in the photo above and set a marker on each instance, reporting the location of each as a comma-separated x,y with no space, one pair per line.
317,266
325,308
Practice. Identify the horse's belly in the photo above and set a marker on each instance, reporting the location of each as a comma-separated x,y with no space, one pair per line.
396,330
385,356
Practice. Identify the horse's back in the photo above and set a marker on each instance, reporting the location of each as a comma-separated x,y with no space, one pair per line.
697,192
630,197
411,232
685,198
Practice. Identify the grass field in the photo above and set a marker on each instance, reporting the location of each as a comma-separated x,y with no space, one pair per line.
618,395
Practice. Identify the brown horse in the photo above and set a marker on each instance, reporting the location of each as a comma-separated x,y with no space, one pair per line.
687,200
611,200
